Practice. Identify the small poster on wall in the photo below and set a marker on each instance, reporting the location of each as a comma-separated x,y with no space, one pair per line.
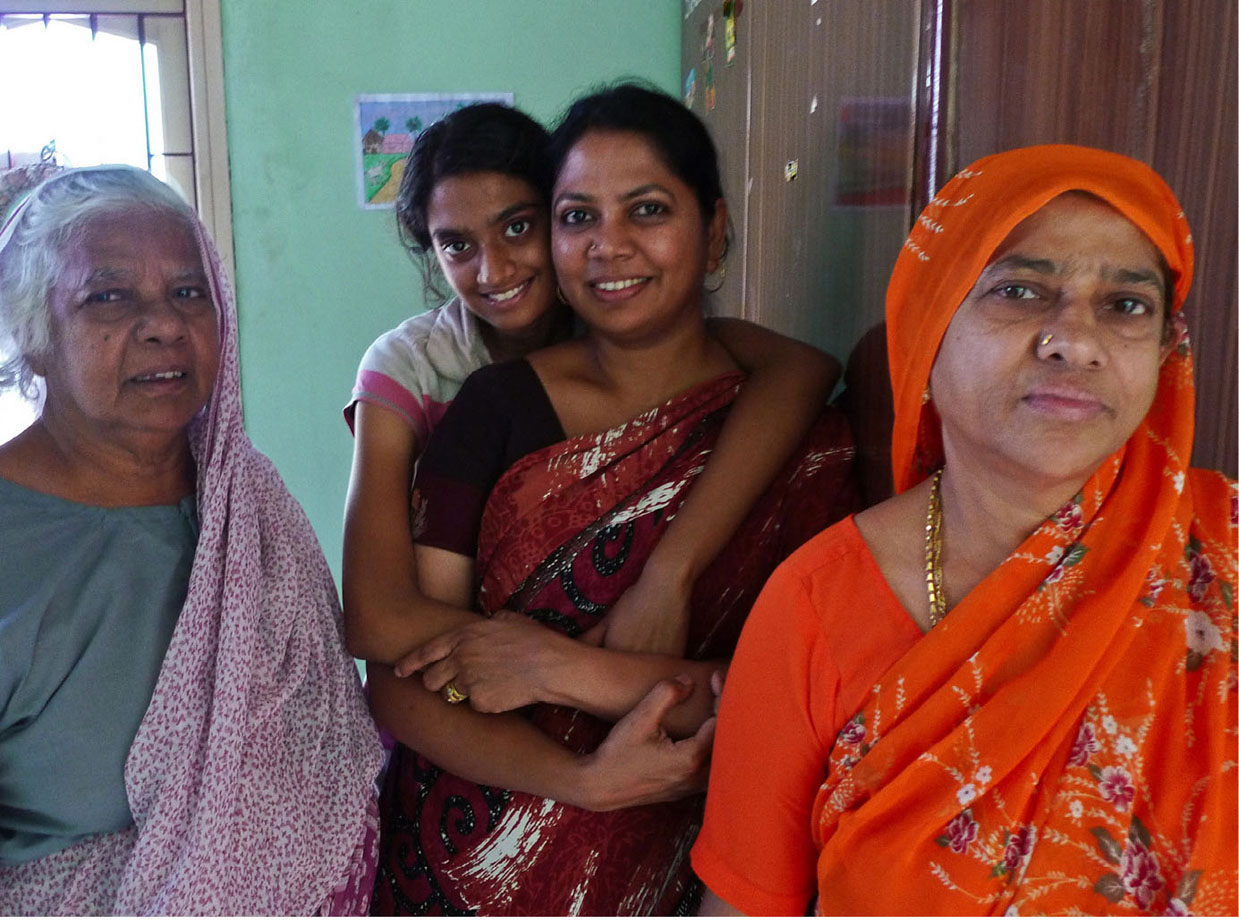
386,126
875,143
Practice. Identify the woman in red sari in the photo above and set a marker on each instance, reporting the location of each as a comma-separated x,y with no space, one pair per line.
590,447
1036,713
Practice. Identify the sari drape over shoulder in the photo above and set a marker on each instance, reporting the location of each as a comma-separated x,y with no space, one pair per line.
1065,739
565,532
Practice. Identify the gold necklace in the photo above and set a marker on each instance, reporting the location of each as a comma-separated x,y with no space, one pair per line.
933,553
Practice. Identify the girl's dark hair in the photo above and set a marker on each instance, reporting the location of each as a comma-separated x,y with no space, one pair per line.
678,135
485,137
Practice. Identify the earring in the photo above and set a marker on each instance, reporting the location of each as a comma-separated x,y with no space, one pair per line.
926,396
1045,340
719,273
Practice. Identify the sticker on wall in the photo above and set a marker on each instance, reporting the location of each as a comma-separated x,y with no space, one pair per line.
690,87
710,100
731,12
875,135
386,125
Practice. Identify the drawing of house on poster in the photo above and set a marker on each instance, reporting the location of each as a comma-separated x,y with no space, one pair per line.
386,126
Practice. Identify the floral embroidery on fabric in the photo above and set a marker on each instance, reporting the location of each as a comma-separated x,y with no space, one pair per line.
854,731
1115,786
1200,572
960,832
1085,744
1018,848
1066,559
1139,876
1070,517
1203,637
1154,582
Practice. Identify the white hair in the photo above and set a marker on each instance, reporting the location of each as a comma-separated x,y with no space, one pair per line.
32,261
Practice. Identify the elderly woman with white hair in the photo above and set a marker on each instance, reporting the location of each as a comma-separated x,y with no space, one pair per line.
181,730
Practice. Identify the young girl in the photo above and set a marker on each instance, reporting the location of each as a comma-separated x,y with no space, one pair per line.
557,482
474,192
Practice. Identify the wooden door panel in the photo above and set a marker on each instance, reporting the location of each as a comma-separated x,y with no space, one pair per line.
1044,71
1194,148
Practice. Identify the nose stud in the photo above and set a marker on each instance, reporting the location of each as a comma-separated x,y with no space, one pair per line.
1046,339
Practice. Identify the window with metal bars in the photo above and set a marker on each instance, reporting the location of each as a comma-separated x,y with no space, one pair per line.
116,81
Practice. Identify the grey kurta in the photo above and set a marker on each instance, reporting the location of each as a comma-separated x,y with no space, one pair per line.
89,598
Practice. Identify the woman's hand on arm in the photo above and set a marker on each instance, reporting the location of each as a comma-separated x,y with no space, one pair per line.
652,615
500,662
789,384
505,657
641,760
386,612
509,661
636,764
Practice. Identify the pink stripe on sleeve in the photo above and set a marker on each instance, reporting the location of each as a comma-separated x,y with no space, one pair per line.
380,390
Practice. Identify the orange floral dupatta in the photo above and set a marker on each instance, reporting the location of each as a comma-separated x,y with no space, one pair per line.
1065,739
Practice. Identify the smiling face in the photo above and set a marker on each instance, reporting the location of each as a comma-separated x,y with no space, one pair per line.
134,340
489,235
630,243
1080,272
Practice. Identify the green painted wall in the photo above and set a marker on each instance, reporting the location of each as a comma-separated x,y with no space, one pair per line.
318,278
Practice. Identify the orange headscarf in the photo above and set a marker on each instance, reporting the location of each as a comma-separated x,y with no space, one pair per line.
1066,738
952,242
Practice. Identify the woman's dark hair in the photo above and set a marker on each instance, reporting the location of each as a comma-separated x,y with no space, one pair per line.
485,137
678,135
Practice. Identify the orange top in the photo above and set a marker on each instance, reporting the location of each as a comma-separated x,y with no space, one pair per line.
1065,740
825,627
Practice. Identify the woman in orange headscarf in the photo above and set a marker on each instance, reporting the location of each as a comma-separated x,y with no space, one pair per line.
1013,686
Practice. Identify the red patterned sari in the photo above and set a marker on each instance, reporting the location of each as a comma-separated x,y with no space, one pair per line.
565,532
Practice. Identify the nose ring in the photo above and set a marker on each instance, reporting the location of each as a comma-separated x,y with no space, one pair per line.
1046,339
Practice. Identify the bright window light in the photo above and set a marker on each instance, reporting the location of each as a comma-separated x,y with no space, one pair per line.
82,96
80,92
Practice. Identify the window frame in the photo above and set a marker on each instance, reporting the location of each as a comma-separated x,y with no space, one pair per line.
204,45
